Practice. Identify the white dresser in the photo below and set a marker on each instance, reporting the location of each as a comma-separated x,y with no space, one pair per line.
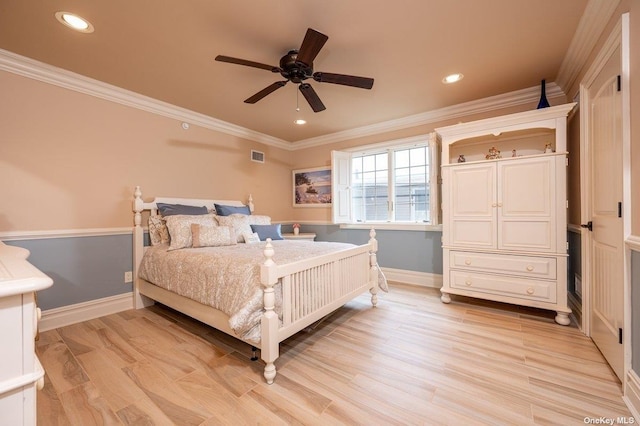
504,202
20,370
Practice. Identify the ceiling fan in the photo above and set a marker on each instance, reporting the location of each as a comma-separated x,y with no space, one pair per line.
297,66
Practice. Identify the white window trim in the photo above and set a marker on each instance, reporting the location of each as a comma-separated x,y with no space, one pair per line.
341,180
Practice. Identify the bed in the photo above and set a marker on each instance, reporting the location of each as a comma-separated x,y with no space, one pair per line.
293,290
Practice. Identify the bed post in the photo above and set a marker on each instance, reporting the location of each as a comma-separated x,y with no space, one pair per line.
139,301
269,321
373,262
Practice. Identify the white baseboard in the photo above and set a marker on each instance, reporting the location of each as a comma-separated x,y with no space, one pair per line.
632,394
67,315
422,279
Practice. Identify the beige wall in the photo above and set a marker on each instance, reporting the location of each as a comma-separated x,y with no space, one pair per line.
71,161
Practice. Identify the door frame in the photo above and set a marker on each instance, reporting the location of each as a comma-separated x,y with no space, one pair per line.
619,37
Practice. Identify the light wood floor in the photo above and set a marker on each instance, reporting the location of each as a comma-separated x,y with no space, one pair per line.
411,361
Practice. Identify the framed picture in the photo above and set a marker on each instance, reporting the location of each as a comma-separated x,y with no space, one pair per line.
312,187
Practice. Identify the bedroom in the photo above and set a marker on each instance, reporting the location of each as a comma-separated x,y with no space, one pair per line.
80,155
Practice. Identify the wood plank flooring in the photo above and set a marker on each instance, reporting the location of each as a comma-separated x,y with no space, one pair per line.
410,361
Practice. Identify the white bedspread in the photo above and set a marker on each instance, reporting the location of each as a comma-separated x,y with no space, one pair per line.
227,278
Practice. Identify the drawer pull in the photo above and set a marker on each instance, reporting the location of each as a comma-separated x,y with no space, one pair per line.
529,268
530,290
468,282
467,262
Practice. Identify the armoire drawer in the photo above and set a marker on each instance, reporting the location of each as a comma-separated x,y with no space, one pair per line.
504,286
526,266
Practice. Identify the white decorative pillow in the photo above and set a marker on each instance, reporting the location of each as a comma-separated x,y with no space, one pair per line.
250,238
180,228
256,219
241,223
212,236
158,232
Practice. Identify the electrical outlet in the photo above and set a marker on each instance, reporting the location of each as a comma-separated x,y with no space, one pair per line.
128,277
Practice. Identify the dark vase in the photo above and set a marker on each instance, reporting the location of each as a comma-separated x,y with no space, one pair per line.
544,103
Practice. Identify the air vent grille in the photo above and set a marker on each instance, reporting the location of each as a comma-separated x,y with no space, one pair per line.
257,156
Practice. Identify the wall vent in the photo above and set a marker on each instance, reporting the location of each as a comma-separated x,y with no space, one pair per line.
257,156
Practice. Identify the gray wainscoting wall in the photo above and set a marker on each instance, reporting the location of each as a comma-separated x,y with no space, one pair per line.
408,250
82,268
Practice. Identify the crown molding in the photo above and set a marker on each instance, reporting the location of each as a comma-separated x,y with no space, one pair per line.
492,103
595,18
26,67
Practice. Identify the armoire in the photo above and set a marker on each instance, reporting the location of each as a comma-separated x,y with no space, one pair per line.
504,209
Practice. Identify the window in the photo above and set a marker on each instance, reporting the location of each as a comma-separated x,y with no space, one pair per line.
393,183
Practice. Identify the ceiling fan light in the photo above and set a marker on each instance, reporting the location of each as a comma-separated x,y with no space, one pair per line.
452,78
74,22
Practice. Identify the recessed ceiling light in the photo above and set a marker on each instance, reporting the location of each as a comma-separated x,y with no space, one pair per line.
74,22
300,122
452,78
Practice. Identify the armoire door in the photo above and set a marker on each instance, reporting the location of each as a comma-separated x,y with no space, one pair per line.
526,204
471,205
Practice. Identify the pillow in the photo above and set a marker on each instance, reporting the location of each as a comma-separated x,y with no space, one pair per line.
268,231
158,232
239,223
174,209
257,219
212,236
251,237
222,210
180,228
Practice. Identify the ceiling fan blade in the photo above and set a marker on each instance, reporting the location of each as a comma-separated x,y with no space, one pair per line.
264,92
345,80
311,45
312,97
229,59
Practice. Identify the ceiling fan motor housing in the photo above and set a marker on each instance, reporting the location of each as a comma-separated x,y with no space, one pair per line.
295,71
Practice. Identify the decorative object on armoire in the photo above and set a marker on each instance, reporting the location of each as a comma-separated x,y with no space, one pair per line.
544,103
461,158
513,153
493,154
547,148
504,221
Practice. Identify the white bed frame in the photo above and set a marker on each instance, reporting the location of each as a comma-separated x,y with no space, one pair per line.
311,288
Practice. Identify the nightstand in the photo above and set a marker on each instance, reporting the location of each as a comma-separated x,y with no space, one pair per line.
310,236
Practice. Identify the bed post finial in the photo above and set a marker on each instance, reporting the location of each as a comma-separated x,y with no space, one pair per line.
137,206
250,203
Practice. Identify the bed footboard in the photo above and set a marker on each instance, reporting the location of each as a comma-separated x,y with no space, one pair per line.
312,289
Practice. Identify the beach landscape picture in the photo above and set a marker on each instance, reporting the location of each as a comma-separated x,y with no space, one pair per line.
312,187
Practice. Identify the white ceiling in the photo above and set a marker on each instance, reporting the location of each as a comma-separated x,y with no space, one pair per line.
166,49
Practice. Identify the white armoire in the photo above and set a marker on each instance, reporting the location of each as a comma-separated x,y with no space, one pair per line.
504,209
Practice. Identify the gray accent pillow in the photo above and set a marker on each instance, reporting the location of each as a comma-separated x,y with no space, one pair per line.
222,210
268,231
174,209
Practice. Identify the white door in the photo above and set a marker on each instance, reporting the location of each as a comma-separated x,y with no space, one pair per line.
606,256
526,204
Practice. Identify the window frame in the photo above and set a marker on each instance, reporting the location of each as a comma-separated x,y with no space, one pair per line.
342,180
